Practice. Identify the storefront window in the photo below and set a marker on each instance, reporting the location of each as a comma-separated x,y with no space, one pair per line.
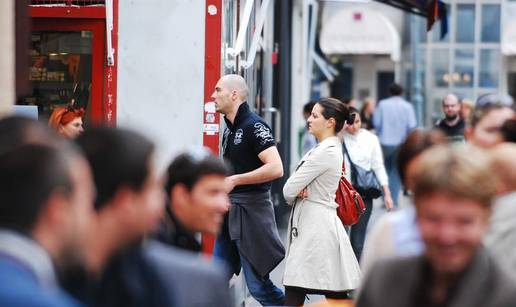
490,23
463,72
489,68
60,71
440,62
465,27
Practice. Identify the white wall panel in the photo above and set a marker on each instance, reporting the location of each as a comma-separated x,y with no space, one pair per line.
161,72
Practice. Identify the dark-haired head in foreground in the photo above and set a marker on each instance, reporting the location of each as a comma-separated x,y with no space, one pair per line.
195,185
18,130
47,195
129,200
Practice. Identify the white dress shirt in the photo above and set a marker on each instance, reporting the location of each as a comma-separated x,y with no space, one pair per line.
365,151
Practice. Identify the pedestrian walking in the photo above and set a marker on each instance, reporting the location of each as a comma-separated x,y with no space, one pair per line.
452,124
393,119
249,239
362,149
320,258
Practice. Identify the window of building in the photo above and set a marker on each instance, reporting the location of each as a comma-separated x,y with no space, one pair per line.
463,72
468,60
465,25
490,23
440,70
489,68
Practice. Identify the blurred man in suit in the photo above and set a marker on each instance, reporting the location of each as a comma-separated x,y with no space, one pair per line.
123,269
45,213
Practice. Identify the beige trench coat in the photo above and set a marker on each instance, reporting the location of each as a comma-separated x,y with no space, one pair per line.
319,253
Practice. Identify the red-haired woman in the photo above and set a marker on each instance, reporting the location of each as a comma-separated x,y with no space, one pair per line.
67,121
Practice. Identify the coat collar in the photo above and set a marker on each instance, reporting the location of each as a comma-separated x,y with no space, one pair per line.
242,113
29,253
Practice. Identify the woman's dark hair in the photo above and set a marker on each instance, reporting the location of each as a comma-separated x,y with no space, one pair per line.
353,110
416,142
307,108
508,130
332,107
117,158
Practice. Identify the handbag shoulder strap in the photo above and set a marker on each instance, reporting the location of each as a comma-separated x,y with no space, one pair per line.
349,156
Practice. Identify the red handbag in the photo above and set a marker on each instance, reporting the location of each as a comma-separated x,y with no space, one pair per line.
351,205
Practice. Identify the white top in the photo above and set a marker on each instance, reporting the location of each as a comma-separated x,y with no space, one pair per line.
365,151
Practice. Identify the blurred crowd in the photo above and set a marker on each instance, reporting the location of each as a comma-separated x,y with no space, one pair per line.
86,218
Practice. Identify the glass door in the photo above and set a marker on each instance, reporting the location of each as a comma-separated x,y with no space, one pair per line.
67,60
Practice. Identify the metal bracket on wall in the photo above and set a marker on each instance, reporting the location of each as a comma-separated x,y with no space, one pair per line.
242,31
109,29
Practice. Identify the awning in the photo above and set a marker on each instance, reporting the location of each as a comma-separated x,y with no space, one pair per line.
419,7
360,30
509,39
433,10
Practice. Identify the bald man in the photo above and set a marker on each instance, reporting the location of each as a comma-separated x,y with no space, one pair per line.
249,237
501,238
452,124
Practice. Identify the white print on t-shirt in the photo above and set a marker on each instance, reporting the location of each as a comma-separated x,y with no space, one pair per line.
238,136
263,133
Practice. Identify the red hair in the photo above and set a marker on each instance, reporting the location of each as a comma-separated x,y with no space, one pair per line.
62,116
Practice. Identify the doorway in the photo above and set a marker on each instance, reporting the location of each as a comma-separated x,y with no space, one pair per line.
383,80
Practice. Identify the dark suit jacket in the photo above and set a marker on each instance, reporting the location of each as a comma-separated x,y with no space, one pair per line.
19,287
195,282
399,282
155,274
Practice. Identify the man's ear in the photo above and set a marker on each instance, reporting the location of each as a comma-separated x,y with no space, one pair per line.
179,195
123,199
56,209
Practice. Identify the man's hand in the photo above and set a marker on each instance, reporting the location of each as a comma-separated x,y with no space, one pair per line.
231,182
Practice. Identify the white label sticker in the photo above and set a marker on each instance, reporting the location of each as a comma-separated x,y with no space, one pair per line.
211,128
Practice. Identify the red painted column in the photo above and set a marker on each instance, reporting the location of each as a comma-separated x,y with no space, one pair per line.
111,74
212,69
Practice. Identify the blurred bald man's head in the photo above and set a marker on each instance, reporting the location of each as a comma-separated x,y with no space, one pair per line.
504,165
451,106
236,83
230,92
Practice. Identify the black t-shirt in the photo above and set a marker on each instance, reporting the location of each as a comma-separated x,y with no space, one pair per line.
243,141
455,133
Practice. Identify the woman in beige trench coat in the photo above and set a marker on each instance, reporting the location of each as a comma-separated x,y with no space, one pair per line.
319,258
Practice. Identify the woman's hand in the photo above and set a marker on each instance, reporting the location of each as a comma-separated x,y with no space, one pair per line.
387,198
303,194
389,203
